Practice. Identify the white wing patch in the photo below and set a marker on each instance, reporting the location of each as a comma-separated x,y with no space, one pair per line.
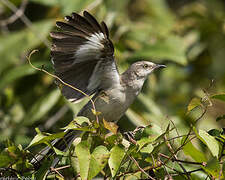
97,38
91,48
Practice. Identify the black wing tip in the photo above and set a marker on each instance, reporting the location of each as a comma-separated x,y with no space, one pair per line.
86,13
88,18
105,29
59,24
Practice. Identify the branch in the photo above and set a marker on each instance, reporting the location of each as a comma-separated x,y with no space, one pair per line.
17,12
175,156
182,161
142,170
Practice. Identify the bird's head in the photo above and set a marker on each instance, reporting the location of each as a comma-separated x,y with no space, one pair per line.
144,68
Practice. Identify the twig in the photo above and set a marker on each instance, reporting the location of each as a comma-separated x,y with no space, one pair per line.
175,156
18,12
164,166
56,171
56,77
63,167
170,139
182,161
142,170
203,113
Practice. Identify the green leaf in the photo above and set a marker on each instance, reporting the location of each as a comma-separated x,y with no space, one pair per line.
99,159
36,139
209,141
144,141
41,107
219,96
41,138
25,40
81,119
190,150
153,131
80,123
91,164
84,158
117,154
212,167
147,149
195,102
111,126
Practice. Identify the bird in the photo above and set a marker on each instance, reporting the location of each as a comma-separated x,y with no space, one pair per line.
82,55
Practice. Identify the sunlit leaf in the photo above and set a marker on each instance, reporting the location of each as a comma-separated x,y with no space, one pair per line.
99,159
110,126
80,123
41,138
91,164
195,102
209,141
117,154
190,150
84,158
147,149
96,113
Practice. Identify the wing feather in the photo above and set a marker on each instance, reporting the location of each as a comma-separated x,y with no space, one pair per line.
83,55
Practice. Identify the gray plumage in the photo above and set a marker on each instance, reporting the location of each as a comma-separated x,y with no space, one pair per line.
83,56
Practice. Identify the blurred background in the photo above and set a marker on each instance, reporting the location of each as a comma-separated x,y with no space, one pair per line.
186,35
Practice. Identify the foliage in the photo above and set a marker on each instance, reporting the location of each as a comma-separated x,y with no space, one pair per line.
180,140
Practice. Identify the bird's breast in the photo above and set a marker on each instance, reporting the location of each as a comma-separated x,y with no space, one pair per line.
111,104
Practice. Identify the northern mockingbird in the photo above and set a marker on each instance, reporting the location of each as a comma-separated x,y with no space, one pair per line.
83,56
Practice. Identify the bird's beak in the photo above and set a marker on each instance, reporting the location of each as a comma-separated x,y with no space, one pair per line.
159,66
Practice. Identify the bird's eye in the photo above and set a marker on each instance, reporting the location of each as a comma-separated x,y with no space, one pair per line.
145,66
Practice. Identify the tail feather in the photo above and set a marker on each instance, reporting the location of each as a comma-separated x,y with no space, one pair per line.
63,144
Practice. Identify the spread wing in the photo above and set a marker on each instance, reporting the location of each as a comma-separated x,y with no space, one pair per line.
83,56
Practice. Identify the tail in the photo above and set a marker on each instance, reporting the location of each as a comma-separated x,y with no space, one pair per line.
63,144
